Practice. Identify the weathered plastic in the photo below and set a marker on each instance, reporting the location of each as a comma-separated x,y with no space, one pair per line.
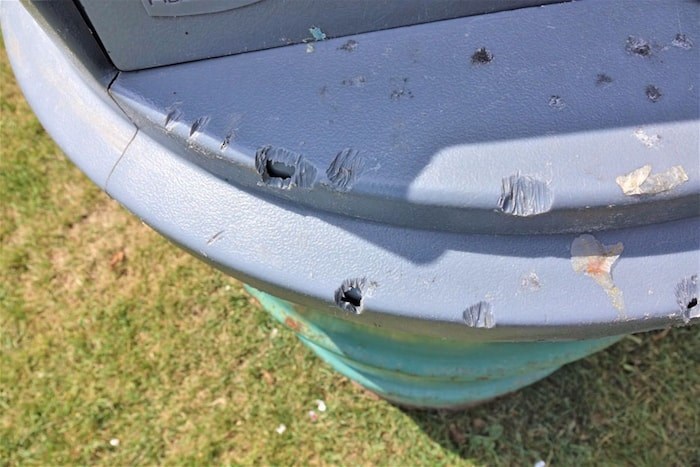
146,33
479,204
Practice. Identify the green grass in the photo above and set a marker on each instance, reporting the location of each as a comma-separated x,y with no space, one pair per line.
109,332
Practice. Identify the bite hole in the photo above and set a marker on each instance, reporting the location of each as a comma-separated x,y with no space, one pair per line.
276,169
353,296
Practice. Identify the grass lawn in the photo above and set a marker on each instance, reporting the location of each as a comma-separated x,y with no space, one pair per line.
117,348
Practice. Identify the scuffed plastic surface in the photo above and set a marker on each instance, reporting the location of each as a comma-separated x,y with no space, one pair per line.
71,103
515,122
422,281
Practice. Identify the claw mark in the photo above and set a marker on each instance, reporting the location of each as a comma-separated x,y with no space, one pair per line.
687,298
174,114
198,125
595,260
345,169
233,132
226,141
215,237
479,315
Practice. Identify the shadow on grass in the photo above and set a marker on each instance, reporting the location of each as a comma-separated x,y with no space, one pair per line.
634,403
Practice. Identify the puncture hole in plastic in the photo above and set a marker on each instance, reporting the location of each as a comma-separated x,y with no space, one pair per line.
352,296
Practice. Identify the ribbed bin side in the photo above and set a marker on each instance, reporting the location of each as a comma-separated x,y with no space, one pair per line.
423,371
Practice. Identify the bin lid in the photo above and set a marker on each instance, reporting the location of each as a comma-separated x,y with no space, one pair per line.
557,119
169,31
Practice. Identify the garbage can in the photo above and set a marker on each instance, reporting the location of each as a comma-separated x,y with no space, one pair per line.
445,206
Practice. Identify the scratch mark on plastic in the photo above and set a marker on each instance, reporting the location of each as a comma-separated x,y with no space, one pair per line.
479,315
227,140
345,169
687,298
172,116
198,125
216,237
232,134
